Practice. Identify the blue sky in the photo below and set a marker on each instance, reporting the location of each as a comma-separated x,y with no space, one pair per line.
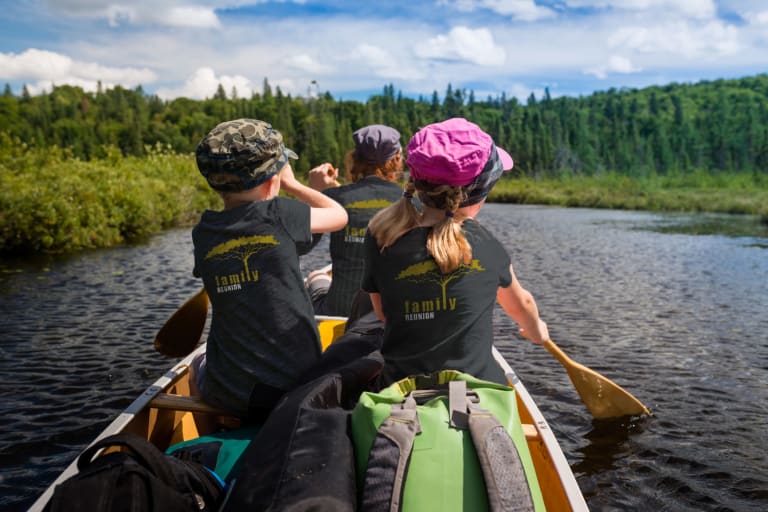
353,48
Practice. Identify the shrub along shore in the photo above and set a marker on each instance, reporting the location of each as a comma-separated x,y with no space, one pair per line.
52,202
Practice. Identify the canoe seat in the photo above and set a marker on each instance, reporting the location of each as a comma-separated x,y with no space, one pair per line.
531,434
184,403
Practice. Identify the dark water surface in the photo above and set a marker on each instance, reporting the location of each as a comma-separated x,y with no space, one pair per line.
677,317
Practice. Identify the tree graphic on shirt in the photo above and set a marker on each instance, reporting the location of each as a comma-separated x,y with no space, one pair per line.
242,248
428,272
368,204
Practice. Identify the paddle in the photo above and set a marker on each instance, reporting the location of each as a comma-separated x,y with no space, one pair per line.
603,397
181,333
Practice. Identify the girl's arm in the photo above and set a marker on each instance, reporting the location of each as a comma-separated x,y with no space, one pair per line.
519,304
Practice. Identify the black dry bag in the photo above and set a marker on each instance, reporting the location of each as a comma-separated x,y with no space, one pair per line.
137,478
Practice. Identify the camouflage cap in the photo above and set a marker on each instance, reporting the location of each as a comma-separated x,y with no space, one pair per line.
248,149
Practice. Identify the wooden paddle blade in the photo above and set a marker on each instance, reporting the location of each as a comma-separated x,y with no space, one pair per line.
181,333
603,397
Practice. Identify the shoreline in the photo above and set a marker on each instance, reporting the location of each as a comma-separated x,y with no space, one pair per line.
102,204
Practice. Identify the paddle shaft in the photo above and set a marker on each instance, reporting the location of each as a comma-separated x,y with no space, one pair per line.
183,330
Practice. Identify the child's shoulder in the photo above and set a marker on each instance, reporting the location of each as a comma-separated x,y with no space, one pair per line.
475,229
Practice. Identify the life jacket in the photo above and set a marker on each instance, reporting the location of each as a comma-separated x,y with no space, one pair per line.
443,442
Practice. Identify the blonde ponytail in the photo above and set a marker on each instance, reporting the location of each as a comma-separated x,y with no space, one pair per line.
395,220
446,242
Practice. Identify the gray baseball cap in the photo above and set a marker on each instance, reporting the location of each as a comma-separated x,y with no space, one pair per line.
376,143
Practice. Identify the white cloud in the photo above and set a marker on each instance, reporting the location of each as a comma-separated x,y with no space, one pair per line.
679,38
204,83
616,64
44,69
761,18
464,44
189,16
522,92
304,62
383,64
375,56
523,10
144,12
692,8
351,51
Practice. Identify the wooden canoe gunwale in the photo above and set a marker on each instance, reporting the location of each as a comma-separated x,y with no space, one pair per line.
551,465
137,418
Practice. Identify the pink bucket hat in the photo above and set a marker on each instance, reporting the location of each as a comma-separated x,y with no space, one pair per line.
453,152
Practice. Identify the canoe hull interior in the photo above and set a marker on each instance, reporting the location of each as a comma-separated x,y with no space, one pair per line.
162,414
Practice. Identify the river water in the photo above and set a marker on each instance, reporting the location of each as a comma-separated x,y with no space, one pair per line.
674,308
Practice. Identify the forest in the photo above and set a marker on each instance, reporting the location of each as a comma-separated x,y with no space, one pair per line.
80,170
717,126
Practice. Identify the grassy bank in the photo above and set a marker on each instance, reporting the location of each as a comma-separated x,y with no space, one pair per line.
51,202
742,193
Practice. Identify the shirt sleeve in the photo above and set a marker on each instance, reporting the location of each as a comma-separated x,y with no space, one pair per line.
296,219
195,268
505,277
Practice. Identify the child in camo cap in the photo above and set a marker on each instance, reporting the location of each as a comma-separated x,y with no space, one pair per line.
263,334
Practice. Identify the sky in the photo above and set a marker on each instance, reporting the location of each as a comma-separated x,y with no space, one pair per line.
353,48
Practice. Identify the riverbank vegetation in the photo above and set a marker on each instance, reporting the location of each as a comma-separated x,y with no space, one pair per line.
81,170
737,193
51,202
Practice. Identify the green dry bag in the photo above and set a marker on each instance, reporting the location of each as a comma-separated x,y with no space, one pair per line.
443,442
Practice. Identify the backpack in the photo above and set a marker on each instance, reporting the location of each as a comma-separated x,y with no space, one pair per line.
445,441
141,478
302,459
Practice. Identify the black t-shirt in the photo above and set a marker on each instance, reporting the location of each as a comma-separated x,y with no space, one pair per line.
362,200
435,321
263,328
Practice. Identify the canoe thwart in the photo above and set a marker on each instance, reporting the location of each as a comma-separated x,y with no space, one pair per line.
184,403
531,432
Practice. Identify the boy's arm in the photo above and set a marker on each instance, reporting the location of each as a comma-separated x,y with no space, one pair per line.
326,214
323,176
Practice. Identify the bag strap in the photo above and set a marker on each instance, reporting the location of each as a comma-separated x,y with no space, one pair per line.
388,460
142,450
81,494
500,461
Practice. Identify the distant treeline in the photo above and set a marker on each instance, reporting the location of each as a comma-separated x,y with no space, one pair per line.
717,126
83,170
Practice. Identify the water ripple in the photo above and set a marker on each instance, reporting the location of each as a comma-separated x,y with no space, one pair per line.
677,319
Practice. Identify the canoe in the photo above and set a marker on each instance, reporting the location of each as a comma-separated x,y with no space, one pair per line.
163,415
